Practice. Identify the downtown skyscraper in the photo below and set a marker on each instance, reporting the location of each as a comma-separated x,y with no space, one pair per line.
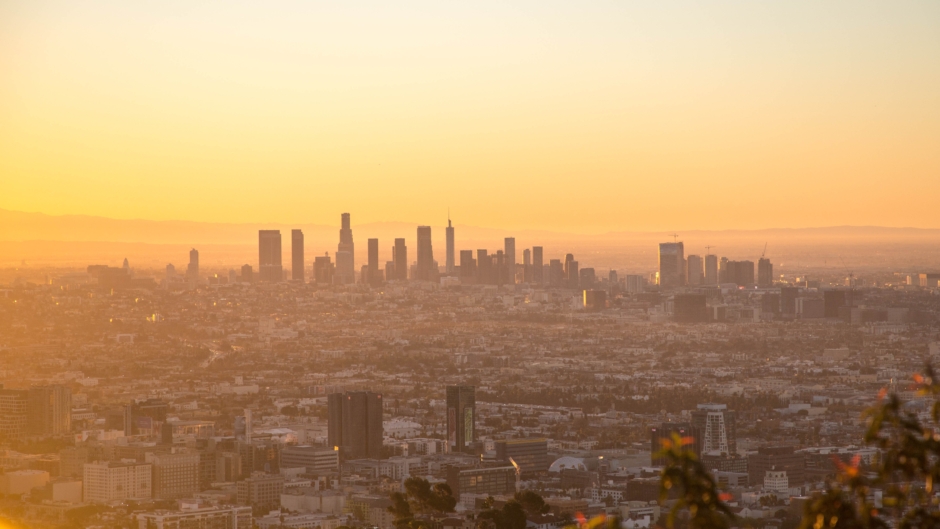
400,259
509,251
372,268
449,264
269,255
355,424
297,255
345,254
423,272
671,264
461,417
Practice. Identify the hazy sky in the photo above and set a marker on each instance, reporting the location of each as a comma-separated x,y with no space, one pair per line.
574,116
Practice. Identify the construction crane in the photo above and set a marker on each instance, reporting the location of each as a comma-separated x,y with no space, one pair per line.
764,252
851,273
675,237
708,249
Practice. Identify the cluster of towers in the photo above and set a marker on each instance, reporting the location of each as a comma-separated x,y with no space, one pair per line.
677,270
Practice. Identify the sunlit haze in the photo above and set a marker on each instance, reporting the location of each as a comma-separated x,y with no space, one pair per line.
571,116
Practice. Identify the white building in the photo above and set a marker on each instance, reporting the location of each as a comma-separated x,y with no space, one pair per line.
777,481
104,481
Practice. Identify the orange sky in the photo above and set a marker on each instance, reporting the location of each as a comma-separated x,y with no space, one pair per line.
556,115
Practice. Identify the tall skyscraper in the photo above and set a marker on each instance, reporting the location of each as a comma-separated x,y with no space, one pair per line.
671,264
373,268
323,270
425,254
711,269
461,414
716,426
355,424
49,410
468,267
483,267
527,266
192,271
269,255
297,255
765,273
574,275
450,264
346,263
400,257
537,270
696,274
509,249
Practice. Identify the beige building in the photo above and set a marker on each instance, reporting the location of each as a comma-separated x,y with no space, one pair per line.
174,475
261,491
22,481
193,514
107,481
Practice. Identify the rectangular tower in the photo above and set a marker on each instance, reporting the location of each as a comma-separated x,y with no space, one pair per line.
671,264
711,269
400,257
537,270
509,252
450,264
269,255
355,424
345,264
373,269
297,255
695,270
425,254
461,414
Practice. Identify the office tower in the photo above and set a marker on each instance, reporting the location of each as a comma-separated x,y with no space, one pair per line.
723,272
483,267
695,271
355,424
499,268
612,278
174,475
192,271
765,273
449,264
716,426
634,283
425,254
530,454
373,266
689,308
671,264
509,251
665,431
297,255
323,270
461,417
568,258
788,296
537,270
13,409
170,271
556,273
595,299
834,300
587,278
269,255
49,410
711,269
527,266
346,263
468,267
247,274
738,272
400,257
574,275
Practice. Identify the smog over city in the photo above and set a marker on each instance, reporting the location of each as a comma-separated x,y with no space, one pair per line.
492,265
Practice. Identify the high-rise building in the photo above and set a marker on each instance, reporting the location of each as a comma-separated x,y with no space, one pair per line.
509,252
468,267
788,297
174,475
345,264
716,426
711,269
355,424
297,255
527,266
49,410
765,273
192,271
323,270
425,254
400,257
537,270
587,278
556,273
13,408
695,270
248,274
671,264
269,256
449,265
484,263
738,272
373,266
573,275
461,417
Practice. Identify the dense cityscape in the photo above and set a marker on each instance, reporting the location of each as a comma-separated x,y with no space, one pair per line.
309,395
